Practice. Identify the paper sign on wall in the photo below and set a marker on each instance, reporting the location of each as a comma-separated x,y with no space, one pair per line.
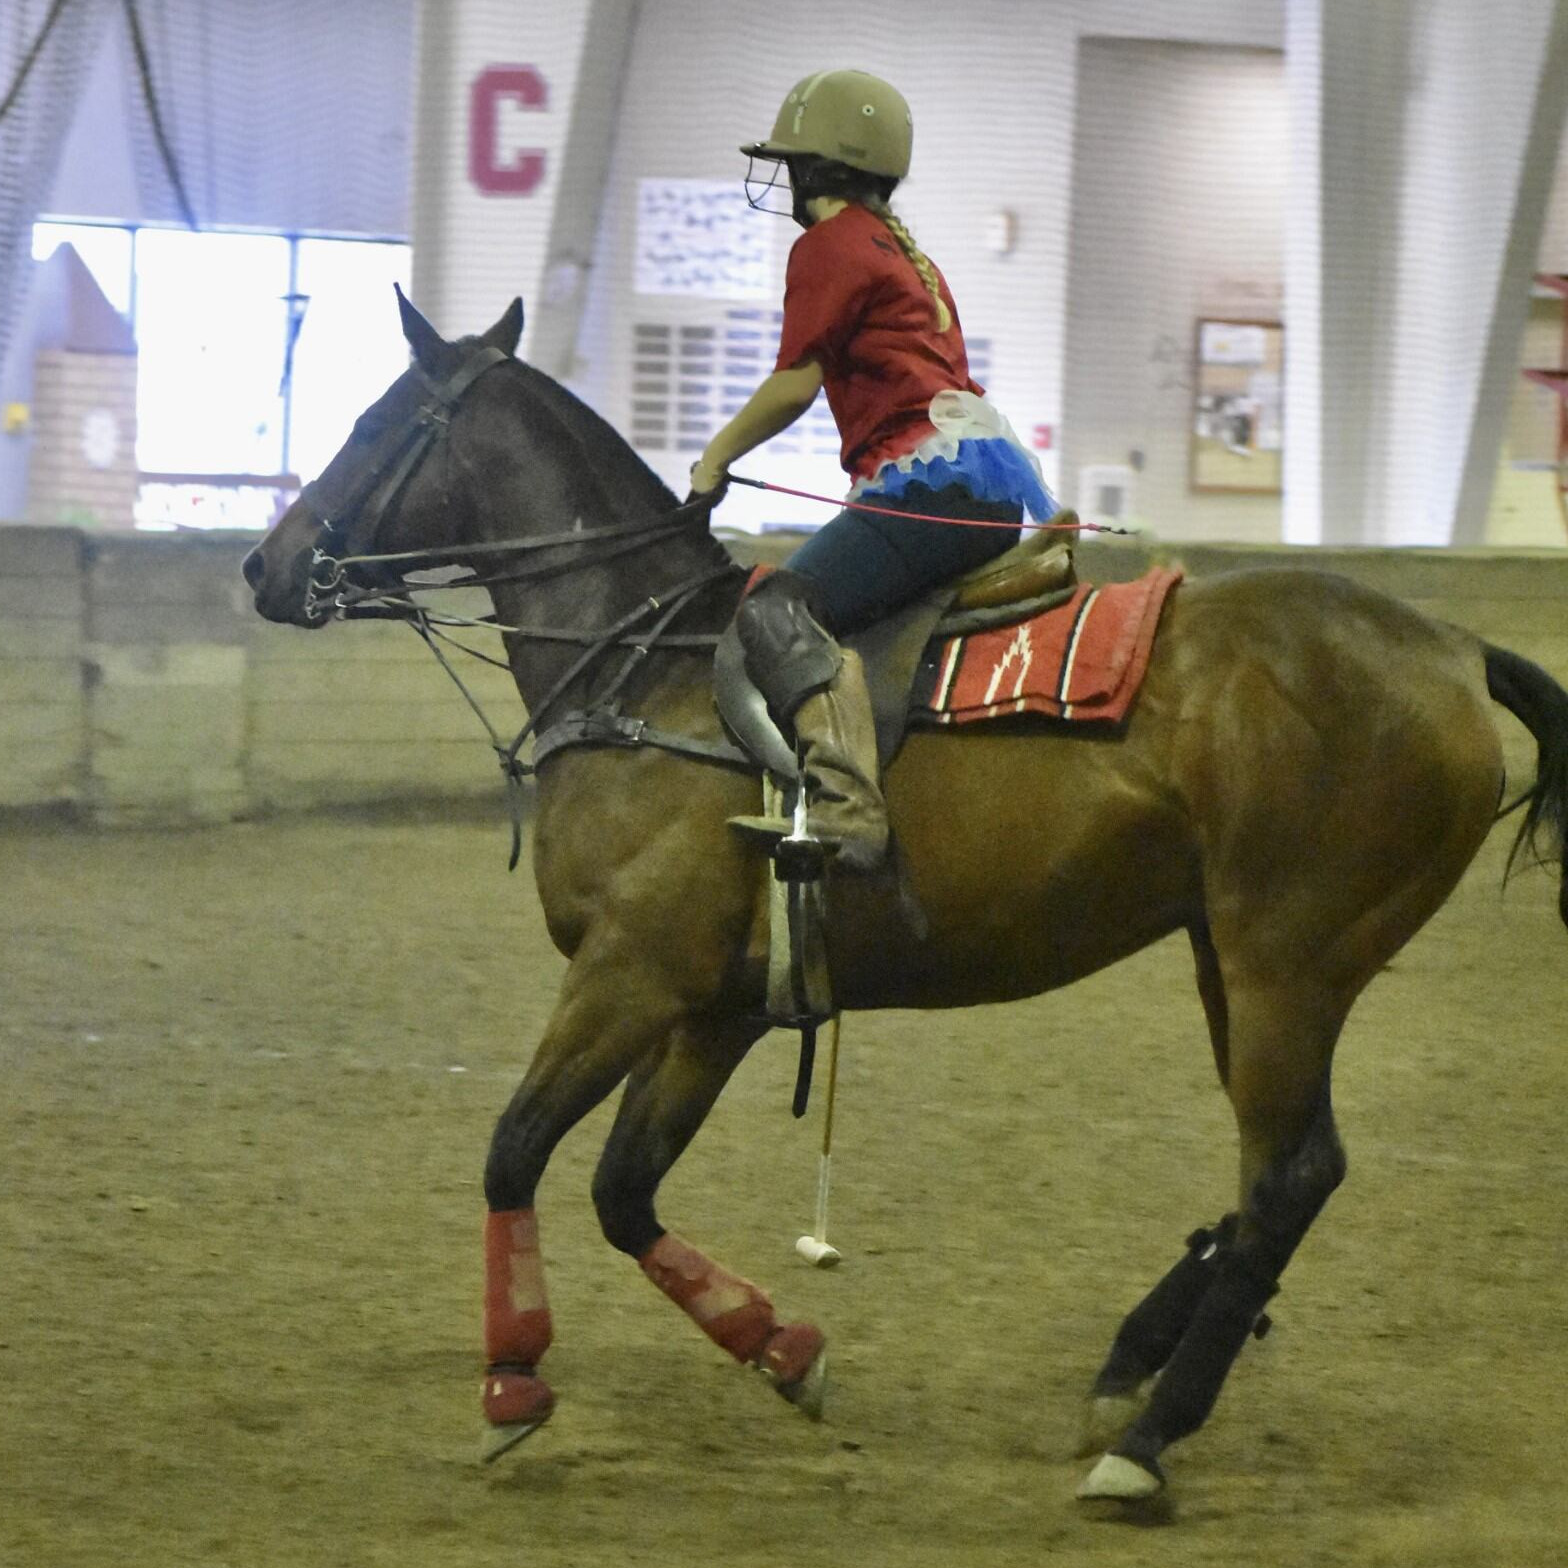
1232,343
700,239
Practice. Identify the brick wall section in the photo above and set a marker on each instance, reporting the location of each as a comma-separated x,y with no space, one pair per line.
137,684
167,655
62,485
363,712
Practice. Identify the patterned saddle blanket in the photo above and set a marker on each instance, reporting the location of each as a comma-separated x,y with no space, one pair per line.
1083,659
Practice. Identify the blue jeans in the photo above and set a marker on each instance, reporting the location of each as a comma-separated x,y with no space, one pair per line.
863,566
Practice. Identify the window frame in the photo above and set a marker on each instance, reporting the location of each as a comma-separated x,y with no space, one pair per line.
289,330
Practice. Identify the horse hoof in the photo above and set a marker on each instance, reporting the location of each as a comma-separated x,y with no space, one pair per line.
500,1440
808,1393
516,1403
1104,1421
1124,1480
795,1362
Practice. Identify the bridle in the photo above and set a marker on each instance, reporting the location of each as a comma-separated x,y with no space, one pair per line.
350,520
349,514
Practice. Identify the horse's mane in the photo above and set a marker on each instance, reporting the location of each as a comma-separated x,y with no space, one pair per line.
609,481
602,454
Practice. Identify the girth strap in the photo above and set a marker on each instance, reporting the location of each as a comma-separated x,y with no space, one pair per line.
601,727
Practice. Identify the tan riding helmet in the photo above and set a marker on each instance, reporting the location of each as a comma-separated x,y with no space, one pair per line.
848,116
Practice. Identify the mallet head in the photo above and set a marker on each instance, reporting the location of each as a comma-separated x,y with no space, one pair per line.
818,1253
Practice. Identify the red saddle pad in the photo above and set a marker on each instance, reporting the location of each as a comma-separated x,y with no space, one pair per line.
1084,659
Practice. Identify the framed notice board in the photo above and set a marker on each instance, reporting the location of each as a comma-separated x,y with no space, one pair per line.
1238,427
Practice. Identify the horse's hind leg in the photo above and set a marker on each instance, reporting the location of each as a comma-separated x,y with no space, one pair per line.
666,1100
1281,1047
1149,1335
609,1015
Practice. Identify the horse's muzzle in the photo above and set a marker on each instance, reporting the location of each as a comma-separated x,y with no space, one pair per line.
280,595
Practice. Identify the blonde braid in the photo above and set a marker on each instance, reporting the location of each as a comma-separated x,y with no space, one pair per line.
918,258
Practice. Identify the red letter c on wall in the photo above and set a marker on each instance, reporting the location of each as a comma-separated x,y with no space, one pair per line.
522,171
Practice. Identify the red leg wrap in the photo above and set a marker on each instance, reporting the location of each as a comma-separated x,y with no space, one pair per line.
517,1315
510,1398
732,1312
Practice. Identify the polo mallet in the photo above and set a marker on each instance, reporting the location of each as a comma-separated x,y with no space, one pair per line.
814,1248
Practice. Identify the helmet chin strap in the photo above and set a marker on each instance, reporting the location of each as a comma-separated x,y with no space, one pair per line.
803,191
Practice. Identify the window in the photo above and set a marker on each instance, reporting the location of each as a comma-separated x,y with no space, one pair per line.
350,346
255,354
210,327
105,251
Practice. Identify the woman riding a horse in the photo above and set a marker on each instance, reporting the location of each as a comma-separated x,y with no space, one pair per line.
869,319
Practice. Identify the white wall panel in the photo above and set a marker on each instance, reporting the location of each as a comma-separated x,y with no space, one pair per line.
497,86
1177,214
992,94
1419,205
1396,145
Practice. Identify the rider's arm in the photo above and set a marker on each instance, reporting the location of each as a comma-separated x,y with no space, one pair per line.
773,407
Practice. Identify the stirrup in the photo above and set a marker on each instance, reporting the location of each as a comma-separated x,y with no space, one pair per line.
796,857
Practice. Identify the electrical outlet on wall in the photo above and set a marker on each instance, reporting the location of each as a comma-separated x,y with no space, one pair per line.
1106,493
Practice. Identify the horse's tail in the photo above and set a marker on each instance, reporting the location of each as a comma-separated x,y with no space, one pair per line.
1541,705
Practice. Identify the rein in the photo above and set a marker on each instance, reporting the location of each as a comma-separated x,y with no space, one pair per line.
600,724
930,517
350,515
351,524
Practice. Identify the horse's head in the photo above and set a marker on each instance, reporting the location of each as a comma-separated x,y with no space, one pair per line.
387,489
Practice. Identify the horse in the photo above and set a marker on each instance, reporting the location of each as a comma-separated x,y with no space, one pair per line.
1308,770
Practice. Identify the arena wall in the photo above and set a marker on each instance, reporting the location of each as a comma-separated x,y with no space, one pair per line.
138,687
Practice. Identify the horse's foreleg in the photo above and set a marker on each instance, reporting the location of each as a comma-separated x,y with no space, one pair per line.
1152,1330
665,1102
1291,1162
601,1026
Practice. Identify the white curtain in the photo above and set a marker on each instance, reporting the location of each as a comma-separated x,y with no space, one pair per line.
36,110
291,115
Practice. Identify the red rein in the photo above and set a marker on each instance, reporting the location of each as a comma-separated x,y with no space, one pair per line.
925,517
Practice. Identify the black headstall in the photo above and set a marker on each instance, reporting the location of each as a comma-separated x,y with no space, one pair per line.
349,506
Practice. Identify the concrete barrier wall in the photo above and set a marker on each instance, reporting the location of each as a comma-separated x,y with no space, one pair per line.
138,686
43,692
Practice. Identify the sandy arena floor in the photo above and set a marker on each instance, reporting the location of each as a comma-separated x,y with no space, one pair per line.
249,1076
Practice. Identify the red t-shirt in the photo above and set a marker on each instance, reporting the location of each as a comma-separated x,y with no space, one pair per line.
854,303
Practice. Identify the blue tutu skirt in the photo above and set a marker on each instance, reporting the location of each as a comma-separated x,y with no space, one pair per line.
991,468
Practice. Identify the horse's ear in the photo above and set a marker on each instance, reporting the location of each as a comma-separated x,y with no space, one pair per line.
423,338
505,333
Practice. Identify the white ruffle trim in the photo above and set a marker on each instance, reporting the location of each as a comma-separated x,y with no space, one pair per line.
958,416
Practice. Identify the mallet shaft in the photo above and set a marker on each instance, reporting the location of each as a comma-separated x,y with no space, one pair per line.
815,1248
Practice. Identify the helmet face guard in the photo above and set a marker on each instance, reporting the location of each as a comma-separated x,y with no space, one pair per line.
769,188
807,176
